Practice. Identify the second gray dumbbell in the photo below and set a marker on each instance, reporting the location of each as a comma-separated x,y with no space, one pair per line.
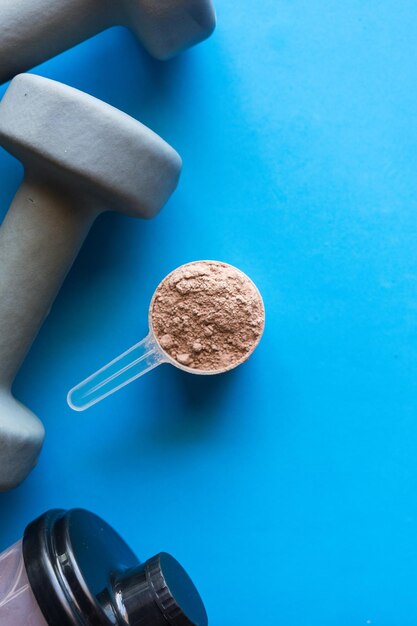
80,156
32,31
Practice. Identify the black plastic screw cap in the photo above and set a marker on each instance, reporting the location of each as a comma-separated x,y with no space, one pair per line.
160,592
83,574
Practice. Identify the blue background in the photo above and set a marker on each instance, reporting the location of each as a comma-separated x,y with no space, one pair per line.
289,486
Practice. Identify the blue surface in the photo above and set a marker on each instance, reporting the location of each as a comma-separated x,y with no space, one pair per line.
289,487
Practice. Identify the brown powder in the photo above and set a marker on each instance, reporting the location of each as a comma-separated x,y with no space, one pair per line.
207,316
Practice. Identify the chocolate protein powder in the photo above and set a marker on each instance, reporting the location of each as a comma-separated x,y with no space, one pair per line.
207,316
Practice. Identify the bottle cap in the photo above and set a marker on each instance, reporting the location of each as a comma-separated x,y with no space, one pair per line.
83,573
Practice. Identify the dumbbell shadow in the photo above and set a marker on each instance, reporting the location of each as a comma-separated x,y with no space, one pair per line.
81,157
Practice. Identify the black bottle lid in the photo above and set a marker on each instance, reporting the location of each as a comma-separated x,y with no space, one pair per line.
82,573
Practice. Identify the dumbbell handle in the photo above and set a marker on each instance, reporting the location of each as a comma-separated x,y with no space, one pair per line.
39,239
32,31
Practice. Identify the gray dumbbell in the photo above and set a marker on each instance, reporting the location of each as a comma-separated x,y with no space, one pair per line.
81,156
32,31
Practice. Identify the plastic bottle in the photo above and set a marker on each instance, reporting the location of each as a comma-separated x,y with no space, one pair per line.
73,569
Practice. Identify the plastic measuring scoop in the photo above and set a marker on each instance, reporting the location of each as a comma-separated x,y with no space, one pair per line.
152,351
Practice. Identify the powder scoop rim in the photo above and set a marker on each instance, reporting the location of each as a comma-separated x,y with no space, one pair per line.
191,370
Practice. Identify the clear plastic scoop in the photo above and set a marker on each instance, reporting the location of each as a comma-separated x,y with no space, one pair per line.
214,303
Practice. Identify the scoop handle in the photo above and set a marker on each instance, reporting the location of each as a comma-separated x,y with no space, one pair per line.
39,239
135,362
33,31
